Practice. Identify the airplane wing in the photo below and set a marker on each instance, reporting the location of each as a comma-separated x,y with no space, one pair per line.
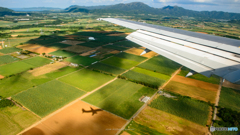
203,53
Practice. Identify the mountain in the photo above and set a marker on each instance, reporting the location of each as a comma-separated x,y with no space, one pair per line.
140,8
36,9
2,9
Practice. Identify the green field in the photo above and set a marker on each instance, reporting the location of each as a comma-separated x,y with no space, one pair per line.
7,59
160,64
48,97
24,65
9,50
151,73
37,61
134,128
230,98
121,63
14,120
191,91
144,78
86,80
85,61
213,79
127,44
120,97
186,108
119,48
131,57
107,68
62,71
58,45
62,53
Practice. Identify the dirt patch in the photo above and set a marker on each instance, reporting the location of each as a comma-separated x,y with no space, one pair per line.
115,52
28,46
202,32
0,47
78,49
88,53
196,83
117,34
42,50
47,68
137,51
74,122
58,29
231,85
169,124
22,56
72,42
1,77
125,133
14,35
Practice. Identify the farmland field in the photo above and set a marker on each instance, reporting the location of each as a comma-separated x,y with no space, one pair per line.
9,50
189,109
192,91
77,49
81,123
7,59
161,65
62,71
119,48
86,80
47,97
14,119
230,98
144,78
213,79
85,61
58,45
62,53
138,51
135,128
151,73
92,44
119,62
169,124
107,68
120,97
10,68
37,61
131,57
42,49
127,44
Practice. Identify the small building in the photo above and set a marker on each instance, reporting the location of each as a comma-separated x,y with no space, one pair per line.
145,99
91,38
74,64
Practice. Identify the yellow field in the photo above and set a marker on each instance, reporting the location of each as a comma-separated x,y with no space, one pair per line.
169,124
137,51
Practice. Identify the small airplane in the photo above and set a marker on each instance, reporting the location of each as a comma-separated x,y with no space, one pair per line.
91,111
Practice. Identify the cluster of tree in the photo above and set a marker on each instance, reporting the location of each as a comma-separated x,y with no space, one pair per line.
139,82
5,102
229,118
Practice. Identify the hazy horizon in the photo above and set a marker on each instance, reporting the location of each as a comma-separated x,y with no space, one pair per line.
197,5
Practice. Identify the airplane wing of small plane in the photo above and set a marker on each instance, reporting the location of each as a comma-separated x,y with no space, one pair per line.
202,53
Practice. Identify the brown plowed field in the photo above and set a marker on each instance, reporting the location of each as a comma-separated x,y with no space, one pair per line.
196,83
47,68
72,121
28,46
115,52
72,42
42,50
231,85
117,34
88,53
137,51
1,77
77,49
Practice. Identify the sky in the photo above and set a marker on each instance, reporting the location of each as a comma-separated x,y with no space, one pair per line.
198,5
